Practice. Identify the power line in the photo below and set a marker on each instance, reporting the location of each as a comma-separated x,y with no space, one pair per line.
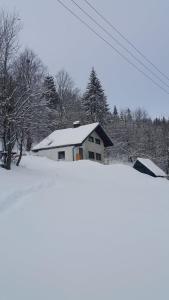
126,39
120,44
112,47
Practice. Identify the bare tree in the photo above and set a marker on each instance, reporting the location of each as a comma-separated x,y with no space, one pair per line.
20,90
70,105
9,29
31,110
10,26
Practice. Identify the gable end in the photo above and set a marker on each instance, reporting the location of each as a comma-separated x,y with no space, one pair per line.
102,134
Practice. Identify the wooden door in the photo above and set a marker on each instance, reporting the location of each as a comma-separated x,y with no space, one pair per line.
79,155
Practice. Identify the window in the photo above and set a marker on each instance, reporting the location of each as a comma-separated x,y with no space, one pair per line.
98,156
91,155
61,155
91,139
97,141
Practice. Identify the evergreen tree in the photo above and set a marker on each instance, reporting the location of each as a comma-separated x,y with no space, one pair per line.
94,101
128,114
50,93
115,111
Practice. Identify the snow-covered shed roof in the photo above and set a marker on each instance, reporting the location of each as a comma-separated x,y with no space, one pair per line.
149,164
72,136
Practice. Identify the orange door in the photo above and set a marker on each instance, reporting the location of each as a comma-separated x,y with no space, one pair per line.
79,155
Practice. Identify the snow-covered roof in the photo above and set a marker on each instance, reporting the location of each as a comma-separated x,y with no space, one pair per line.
151,166
69,136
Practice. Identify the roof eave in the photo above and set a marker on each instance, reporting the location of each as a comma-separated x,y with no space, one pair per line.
101,132
56,147
106,140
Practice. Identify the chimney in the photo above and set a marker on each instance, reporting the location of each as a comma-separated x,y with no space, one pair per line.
76,124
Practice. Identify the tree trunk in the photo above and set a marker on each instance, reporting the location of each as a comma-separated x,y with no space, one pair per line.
29,143
20,154
8,155
8,158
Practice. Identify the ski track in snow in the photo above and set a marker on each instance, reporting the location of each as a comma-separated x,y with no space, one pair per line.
18,196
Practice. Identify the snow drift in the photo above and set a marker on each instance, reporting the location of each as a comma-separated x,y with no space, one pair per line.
82,231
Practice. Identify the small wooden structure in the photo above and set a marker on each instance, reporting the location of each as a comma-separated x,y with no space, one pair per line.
147,166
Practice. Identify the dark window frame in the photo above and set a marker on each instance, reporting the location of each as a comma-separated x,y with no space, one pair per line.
98,157
91,139
63,157
97,141
91,155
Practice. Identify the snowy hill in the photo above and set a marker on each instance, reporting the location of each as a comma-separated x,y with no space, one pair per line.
77,231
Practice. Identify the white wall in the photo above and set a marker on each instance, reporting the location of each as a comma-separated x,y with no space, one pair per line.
90,146
53,153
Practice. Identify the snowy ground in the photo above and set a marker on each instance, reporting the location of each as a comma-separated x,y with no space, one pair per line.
83,231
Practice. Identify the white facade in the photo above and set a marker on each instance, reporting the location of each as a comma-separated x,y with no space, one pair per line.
89,146
92,146
54,153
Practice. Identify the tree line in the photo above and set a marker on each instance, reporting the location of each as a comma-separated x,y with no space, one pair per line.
34,103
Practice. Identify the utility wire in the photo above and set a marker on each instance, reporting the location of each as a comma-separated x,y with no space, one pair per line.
112,47
120,44
126,39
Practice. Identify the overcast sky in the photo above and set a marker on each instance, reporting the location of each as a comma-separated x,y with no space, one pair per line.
62,42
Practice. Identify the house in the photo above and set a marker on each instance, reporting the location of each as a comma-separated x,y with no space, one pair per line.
147,166
77,143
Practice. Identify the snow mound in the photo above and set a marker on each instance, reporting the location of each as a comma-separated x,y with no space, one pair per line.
83,231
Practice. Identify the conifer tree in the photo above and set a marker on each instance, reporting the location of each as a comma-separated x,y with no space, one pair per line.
94,101
115,111
50,93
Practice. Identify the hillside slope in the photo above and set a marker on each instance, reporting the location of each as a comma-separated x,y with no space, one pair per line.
77,231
